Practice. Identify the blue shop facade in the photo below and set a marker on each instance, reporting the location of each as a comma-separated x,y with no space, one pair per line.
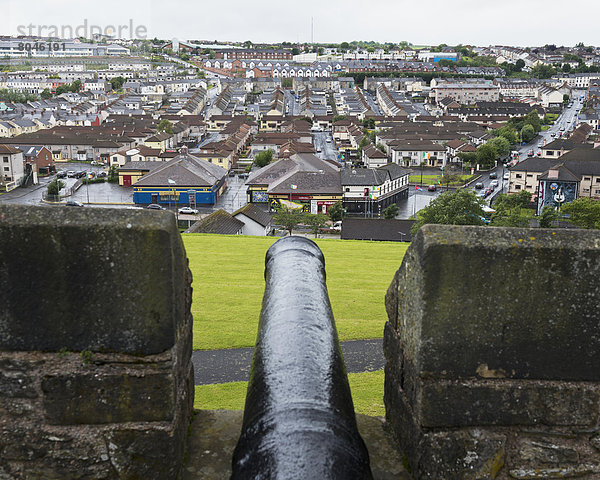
182,181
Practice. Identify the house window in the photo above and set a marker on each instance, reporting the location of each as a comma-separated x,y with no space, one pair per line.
598,180
587,179
7,169
347,189
517,187
518,175
5,159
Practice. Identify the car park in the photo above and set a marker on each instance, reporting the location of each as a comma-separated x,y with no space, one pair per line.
73,203
188,210
154,206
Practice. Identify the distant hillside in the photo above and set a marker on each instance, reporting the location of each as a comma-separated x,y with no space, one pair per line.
229,284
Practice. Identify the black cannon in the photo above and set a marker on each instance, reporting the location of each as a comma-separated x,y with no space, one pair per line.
299,420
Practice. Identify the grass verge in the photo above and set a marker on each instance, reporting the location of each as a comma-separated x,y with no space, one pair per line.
229,284
367,394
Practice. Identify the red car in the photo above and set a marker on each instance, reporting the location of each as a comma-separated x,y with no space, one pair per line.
432,188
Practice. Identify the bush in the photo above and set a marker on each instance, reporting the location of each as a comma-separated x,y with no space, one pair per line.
85,181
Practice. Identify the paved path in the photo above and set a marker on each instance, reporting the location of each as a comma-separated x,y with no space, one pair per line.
224,366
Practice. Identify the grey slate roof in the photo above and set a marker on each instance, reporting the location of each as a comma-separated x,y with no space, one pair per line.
363,176
185,170
310,182
219,222
395,170
564,174
253,212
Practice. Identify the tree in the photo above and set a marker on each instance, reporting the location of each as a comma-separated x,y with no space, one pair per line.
547,217
566,99
469,158
527,133
315,222
54,186
165,126
533,119
509,218
263,158
116,83
583,212
288,218
75,86
508,132
336,212
509,202
295,51
501,145
519,64
390,212
46,94
344,46
337,118
113,174
486,155
461,207
543,71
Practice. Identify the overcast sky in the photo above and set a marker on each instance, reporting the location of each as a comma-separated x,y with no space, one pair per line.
475,22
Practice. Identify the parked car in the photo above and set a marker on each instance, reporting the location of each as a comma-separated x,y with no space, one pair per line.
61,174
530,153
80,174
188,210
432,188
506,175
493,175
154,206
73,203
71,173
479,185
101,174
488,192
337,226
494,184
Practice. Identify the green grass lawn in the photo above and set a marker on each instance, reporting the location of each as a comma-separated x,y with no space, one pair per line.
229,284
367,394
433,179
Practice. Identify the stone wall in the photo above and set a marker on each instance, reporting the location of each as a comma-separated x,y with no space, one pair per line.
493,353
95,344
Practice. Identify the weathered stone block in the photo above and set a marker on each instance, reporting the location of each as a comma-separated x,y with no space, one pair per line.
547,452
450,404
16,384
513,303
466,455
492,365
92,279
105,398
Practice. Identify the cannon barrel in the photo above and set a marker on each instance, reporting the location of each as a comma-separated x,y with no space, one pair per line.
299,420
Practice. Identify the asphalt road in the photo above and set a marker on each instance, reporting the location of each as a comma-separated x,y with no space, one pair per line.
224,366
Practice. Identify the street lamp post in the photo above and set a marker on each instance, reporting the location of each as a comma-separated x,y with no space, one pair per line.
172,193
